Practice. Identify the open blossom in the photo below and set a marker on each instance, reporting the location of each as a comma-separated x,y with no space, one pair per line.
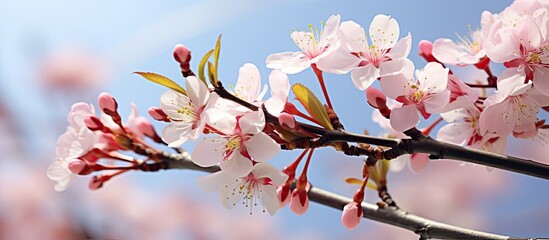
247,88
469,49
74,143
239,143
463,123
364,57
521,42
186,113
426,95
314,46
513,108
259,186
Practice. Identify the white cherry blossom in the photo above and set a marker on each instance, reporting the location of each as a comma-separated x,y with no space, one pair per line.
187,113
240,142
426,95
314,46
259,186
366,59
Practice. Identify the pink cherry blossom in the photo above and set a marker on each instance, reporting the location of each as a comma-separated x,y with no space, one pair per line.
426,95
240,142
259,186
70,146
364,59
521,42
186,112
463,119
513,107
314,46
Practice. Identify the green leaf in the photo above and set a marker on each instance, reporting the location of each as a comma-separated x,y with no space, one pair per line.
202,65
356,181
217,50
313,106
211,74
164,81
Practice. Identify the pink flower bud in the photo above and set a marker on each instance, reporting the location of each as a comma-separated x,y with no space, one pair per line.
426,51
157,114
182,55
93,123
96,182
299,202
77,166
287,121
107,103
283,192
376,98
351,216
145,127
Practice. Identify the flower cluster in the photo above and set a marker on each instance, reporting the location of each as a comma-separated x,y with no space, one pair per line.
239,132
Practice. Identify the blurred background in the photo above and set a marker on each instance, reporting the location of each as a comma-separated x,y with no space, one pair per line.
55,53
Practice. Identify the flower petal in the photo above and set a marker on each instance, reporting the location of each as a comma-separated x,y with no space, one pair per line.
248,85
211,182
209,152
433,78
237,165
404,118
261,147
338,61
269,198
252,122
401,48
437,102
363,77
197,91
541,77
288,62
353,37
456,133
384,31
176,134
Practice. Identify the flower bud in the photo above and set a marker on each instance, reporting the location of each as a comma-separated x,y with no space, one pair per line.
376,98
146,128
283,192
299,202
93,123
77,166
426,51
96,182
351,216
287,121
107,103
183,56
157,114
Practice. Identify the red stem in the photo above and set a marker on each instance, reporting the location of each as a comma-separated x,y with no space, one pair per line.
318,74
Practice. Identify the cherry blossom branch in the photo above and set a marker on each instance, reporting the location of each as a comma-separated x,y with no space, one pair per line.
418,144
426,228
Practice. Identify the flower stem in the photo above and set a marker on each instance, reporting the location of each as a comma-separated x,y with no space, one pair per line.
318,74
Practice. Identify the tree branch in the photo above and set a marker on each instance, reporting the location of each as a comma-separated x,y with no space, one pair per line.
418,144
390,215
